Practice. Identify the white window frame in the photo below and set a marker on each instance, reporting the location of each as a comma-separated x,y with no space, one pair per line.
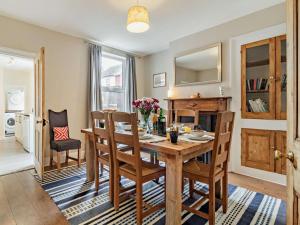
115,56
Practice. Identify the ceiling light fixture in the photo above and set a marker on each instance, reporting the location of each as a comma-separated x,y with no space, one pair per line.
138,19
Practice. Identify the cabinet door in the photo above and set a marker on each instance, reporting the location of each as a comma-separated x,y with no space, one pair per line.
281,78
280,164
258,149
258,76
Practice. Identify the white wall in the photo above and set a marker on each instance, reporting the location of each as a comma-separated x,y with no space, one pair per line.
66,69
164,62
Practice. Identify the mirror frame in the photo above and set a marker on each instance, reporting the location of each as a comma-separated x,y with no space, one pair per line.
219,64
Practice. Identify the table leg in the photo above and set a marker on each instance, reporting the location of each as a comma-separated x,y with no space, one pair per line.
90,159
173,189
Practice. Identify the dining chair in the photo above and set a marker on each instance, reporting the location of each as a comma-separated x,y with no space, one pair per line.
179,114
102,147
60,120
132,166
214,172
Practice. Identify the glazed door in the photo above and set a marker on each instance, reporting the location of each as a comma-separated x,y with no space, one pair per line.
258,76
39,77
293,115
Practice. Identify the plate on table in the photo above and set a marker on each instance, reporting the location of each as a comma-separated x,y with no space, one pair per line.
200,138
145,137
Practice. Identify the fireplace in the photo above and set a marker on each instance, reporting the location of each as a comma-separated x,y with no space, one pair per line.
207,108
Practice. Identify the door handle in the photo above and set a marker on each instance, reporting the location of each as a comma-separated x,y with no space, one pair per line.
44,121
290,156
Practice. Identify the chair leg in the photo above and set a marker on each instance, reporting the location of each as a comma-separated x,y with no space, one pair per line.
139,203
212,203
58,161
111,185
116,187
51,157
101,169
225,193
67,156
191,187
97,174
79,158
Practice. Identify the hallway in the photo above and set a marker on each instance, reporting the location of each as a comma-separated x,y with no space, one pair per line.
13,157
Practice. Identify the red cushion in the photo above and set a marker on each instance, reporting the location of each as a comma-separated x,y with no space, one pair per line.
61,133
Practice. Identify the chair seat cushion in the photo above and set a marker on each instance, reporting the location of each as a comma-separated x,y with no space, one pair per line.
199,169
147,168
68,144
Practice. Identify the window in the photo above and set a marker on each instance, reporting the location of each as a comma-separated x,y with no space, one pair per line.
113,81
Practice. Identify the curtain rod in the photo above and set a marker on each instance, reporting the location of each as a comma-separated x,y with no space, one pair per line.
112,48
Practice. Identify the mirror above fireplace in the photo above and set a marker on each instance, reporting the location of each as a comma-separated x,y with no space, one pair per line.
200,66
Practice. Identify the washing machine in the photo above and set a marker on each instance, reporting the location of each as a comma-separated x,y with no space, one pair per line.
10,122
15,100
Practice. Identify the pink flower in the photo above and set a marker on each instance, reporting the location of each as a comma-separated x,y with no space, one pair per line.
146,105
155,100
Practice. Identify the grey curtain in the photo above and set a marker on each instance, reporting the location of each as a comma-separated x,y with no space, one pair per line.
94,84
131,82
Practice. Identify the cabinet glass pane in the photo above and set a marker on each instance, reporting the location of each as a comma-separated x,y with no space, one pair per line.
283,76
257,78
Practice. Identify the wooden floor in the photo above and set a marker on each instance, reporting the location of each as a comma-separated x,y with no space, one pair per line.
24,202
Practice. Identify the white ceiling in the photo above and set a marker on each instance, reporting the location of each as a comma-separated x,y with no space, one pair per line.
105,20
16,63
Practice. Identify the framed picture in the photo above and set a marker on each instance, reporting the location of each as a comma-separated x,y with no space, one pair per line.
159,80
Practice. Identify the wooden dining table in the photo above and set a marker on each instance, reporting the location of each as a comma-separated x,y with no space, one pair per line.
173,155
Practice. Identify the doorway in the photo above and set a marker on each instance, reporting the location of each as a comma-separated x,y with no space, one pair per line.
16,112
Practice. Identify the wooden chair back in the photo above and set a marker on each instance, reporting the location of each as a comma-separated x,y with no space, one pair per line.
101,136
223,135
187,113
128,138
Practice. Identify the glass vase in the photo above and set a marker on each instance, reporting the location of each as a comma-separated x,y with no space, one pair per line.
146,122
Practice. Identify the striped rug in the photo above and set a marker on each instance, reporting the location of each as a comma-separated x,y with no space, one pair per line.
81,204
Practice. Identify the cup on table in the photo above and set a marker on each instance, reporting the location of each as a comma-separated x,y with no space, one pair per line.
174,136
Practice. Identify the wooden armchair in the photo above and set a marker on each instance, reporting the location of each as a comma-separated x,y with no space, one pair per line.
132,166
214,172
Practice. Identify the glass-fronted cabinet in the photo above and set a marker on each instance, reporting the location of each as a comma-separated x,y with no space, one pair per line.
264,79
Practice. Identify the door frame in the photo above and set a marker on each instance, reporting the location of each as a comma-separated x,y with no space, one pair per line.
33,56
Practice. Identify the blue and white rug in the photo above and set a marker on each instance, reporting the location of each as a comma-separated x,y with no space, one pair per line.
81,204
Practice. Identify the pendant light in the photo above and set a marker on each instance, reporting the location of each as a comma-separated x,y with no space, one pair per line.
138,19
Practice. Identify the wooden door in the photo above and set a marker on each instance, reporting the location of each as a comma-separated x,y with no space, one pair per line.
258,76
293,115
39,76
258,149
281,78
280,140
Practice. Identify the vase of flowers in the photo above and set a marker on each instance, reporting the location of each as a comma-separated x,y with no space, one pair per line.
145,106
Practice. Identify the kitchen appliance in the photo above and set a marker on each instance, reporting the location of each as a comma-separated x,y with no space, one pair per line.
15,100
9,122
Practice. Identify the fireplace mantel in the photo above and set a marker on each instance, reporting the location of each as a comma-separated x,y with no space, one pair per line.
202,105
